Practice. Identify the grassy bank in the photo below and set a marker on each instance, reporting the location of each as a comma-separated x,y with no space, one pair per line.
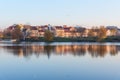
82,39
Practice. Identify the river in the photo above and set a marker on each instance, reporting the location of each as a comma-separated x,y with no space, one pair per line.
60,61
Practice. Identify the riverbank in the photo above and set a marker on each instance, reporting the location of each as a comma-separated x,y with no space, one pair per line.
82,39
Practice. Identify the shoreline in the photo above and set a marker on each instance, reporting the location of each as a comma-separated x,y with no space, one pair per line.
58,43
111,39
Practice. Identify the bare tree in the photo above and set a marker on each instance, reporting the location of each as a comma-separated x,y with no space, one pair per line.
81,31
102,33
16,33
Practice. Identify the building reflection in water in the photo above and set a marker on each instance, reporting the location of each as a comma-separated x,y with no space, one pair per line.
75,50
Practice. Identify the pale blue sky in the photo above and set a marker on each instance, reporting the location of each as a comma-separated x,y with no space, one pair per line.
60,12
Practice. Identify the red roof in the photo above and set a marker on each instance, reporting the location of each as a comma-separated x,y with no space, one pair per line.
41,30
34,28
52,28
58,27
11,27
66,29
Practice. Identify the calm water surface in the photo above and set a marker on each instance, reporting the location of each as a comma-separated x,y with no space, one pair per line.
60,61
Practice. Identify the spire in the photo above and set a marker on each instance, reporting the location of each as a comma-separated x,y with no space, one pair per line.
49,27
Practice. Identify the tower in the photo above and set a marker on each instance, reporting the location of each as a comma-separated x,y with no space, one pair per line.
49,27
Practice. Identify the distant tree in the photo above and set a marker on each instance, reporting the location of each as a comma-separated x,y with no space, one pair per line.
91,33
73,32
7,34
1,34
48,36
102,33
113,32
26,33
81,31
16,33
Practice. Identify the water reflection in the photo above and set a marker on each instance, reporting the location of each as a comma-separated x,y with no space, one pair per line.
75,50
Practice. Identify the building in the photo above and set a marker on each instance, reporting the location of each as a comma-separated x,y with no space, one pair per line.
34,32
59,31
